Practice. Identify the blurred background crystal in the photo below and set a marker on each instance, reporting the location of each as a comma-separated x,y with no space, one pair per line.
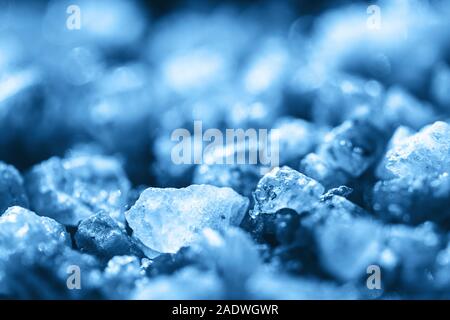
362,114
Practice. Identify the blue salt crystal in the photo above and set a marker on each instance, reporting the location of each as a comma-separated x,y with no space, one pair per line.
274,285
12,192
189,283
101,236
417,185
120,277
287,244
22,104
49,275
345,238
74,188
232,255
347,247
412,200
25,233
126,133
316,167
242,178
167,219
296,138
286,188
352,147
401,108
416,249
441,270
426,153
267,68
23,230
439,86
399,135
342,191
345,97
169,263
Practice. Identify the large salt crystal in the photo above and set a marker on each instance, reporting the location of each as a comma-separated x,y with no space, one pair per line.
27,234
426,153
74,188
23,230
166,219
286,188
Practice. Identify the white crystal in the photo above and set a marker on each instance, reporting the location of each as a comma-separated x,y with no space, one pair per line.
166,219
426,153
286,188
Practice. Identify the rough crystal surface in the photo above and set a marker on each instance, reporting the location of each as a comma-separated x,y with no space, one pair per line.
286,188
26,234
167,219
73,188
24,230
100,235
426,153
352,147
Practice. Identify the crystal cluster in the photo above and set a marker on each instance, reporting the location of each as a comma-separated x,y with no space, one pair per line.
354,203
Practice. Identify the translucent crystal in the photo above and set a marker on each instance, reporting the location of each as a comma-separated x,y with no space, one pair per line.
27,234
23,229
296,137
400,134
73,188
352,147
347,247
316,167
286,188
167,219
413,200
12,192
401,108
101,236
242,178
426,153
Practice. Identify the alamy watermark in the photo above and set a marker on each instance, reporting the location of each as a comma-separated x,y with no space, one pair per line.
73,21
235,146
374,280
373,21
74,277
